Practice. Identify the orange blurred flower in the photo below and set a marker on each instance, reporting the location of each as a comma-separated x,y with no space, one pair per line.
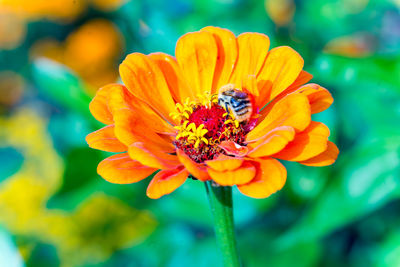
356,45
11,89
167,115
92,51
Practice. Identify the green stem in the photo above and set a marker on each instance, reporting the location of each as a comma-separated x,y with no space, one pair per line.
220,198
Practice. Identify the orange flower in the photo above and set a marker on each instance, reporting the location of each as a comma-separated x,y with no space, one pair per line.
167,115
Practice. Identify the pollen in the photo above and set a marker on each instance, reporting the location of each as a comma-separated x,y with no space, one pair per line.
204,125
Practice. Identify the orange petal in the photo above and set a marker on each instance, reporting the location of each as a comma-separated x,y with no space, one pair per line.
292,110
105,139
99,105
231,148
272,142
307,144
253,48
249,85
241,175
326,158
145,80
270,177
303,78
120,100
319,98
130,127
165,182
150,156
281,68
197,170
197,54
224,163
300,80
227,55
121,169
174,76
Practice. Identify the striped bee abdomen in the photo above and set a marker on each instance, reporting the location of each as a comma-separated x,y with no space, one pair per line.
237,101
239,104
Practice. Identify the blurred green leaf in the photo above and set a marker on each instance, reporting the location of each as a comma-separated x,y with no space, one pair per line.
60,84
11,160
358,72
368,179
77,174
388,252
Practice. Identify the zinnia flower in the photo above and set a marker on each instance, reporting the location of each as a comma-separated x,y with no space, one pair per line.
166,116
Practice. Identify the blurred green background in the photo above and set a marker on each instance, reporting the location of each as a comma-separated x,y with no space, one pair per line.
56,211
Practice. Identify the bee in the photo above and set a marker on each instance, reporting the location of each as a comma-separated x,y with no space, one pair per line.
235,100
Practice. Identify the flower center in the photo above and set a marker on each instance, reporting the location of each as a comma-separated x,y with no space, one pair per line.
204,125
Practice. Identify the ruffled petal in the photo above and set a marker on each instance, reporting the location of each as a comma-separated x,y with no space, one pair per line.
130,128
241,175
281,68
121,169
120,100
197,54
270,177
105,139
303,78
99,105
272,142
199,171
292,110
253,48
227,55
145,80
231,148
307,144
318,97
249,85
224,163
173,76
166,181
151,156
326,158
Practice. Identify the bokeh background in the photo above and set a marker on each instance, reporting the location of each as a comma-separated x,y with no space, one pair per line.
56,211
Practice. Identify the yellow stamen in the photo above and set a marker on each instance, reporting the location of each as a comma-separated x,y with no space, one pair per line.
193,134
183,111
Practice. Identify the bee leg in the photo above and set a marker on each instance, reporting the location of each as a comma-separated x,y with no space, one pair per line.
226,107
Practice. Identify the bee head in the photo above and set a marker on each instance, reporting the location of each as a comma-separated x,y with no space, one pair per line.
227,89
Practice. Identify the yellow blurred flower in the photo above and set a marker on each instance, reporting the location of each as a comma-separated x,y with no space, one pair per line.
23,195
122,227
280,11
12,29
98,227
64,10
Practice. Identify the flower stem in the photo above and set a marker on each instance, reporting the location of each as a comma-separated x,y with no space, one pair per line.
220,198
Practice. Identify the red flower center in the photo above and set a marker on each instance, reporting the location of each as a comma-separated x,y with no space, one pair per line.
220,127
212,119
